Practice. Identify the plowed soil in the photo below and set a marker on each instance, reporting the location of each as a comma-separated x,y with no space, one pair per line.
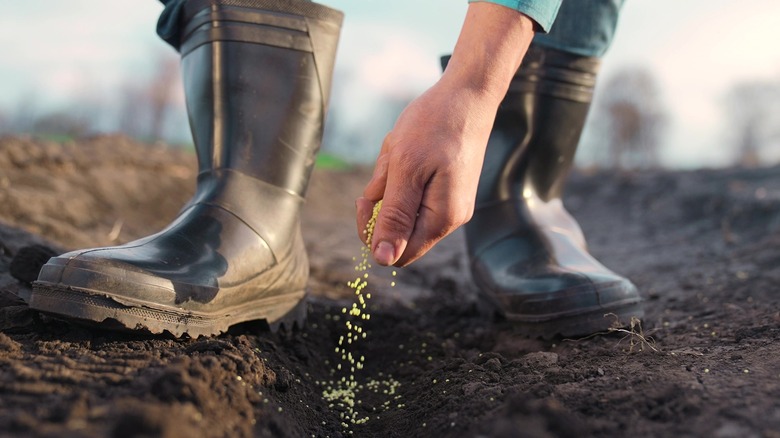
703,246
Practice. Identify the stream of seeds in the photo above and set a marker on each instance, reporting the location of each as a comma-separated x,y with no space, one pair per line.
343,392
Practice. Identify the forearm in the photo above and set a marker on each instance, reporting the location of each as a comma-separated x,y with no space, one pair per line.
491,45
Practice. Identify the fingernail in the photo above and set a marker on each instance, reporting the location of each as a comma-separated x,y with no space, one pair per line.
384,253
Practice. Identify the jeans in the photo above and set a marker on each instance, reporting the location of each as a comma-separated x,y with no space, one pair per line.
168,24
582,27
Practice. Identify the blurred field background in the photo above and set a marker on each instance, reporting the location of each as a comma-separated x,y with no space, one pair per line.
686,84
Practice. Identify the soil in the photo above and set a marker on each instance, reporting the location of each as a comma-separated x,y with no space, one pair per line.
703,246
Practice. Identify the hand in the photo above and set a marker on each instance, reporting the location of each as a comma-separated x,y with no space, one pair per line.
428,168
427,172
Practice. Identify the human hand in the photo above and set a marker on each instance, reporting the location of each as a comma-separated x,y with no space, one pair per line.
427,172
428,168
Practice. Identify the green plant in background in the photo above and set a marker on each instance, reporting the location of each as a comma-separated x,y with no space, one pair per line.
330,162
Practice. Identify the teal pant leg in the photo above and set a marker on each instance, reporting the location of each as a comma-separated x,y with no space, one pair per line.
583,27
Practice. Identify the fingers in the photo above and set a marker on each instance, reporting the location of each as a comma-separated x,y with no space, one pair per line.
375,188
419,207
440,214
374,191
396,221
424,236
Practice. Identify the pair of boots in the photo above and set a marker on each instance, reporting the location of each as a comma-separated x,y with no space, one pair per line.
257,77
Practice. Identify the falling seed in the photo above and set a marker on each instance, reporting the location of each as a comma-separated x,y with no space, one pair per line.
343,394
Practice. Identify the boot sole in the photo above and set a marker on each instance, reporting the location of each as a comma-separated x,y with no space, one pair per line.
287,311
583,323
568,318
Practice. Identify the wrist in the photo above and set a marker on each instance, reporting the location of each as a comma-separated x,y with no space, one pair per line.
478,80
492,42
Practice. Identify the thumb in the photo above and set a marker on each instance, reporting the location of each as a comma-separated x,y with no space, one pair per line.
397,216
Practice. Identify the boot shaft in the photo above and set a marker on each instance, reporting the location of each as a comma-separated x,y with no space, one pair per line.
257,76
538,127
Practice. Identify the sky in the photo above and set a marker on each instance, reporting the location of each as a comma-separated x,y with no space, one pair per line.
55,51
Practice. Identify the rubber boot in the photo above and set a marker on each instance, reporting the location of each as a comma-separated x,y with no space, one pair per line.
257,76
525,250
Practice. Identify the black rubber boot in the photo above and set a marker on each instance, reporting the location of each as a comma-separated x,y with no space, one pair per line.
525,249
257,76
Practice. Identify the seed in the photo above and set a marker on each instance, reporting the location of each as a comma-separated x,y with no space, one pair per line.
345,393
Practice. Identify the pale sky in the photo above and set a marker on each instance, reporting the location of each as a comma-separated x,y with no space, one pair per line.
54,50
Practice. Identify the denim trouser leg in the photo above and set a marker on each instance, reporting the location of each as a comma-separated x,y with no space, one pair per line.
583,27
168,23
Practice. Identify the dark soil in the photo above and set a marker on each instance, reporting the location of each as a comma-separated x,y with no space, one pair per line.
703,246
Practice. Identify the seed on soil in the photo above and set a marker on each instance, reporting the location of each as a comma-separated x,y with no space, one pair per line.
343,394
